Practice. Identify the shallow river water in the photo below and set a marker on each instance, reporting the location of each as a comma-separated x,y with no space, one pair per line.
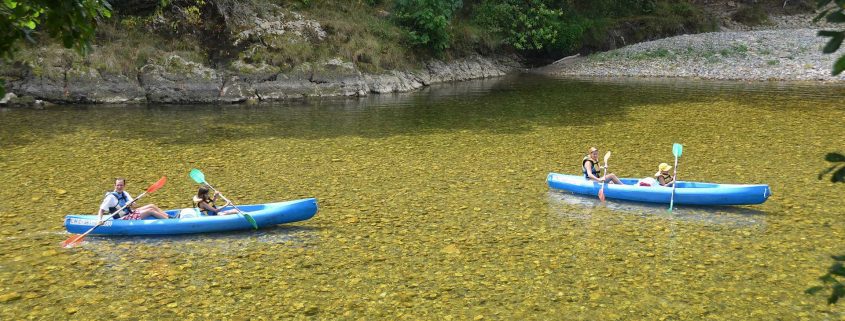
434,205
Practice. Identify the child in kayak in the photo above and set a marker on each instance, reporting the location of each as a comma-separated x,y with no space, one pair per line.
663,177
206,206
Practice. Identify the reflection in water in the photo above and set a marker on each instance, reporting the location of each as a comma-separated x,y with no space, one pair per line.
227,245
565,204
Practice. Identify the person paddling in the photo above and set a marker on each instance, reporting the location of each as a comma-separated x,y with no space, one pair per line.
206,204
590,167
119,198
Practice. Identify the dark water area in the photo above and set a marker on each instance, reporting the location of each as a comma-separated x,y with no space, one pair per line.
433,205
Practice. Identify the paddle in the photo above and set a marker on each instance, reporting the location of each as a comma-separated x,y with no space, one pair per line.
677,150
199,177
76,239
601,190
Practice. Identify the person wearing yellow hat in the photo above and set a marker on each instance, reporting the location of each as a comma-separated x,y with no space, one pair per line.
590,167
663,176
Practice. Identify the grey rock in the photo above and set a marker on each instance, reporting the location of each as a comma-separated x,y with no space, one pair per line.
179,81
185,82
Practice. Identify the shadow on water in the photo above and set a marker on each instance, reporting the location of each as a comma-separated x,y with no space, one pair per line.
510,104
574,206
297,236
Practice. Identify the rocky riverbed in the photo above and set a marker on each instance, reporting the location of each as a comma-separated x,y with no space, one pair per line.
788,49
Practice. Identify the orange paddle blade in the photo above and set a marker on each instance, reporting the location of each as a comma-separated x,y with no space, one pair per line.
157,185
72,240
601,194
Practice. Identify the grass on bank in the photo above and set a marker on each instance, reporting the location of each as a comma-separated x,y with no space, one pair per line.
361,32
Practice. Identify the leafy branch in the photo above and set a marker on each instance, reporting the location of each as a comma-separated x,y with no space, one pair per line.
72,21
834,15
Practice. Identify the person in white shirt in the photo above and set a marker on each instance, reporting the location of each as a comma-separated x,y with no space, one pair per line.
118,198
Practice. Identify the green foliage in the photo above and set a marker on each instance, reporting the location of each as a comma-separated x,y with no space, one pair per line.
736,50
614,8
427,21
72,21
833,15
531,25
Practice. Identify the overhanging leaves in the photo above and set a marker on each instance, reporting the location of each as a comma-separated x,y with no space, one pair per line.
838,66
835,40
835,158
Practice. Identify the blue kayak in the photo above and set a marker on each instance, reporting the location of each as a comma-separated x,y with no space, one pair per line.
689,193
265,215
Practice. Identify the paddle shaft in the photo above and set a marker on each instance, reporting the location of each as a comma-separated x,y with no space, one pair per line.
674,184
604,175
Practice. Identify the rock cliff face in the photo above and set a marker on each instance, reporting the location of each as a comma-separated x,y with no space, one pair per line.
183,82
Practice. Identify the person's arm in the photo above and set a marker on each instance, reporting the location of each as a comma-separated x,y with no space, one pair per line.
130,201
108,201
205,206
589,170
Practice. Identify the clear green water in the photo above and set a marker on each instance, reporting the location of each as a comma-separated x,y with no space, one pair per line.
434,205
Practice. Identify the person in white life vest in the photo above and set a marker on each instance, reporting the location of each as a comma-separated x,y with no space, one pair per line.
118,198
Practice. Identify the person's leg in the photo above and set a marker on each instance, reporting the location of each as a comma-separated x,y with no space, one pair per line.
227,212
151,209
614,179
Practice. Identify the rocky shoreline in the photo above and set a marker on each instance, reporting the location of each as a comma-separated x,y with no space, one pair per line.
178,81
787,50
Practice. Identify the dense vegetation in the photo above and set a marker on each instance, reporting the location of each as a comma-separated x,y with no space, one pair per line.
375,35
71,21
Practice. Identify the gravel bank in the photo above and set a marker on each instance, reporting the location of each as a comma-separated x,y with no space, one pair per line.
790,52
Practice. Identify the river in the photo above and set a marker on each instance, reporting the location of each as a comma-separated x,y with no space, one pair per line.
434,205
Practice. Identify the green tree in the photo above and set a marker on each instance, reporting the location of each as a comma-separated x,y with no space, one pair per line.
72,21
530,26
834,15
427,21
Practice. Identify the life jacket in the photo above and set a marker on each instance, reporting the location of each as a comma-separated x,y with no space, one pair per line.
593,169
205,211
666,178
122,199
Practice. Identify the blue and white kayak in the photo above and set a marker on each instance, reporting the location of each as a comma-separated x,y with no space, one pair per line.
265,215
689,193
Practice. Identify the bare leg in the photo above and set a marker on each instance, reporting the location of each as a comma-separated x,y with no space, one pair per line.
613,179
227,212
151,209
